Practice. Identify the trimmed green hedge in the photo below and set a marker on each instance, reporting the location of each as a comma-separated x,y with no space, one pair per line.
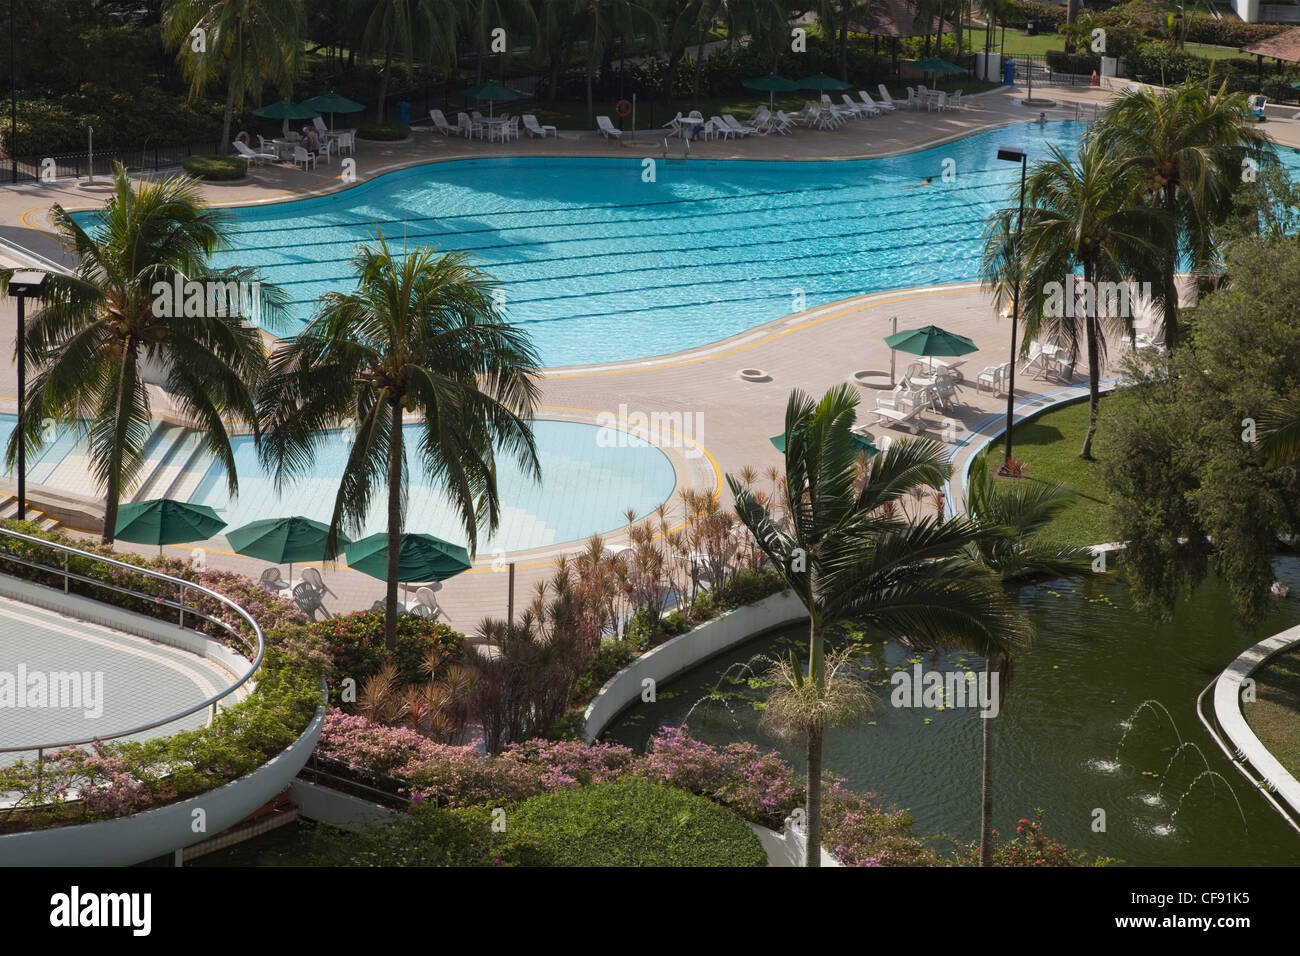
384,132
617,824
216,167
637,824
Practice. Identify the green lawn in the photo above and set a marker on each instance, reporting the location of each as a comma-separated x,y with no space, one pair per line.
1049,445
1275,715
1018,42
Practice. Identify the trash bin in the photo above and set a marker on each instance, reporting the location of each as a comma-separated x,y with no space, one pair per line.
1009,73
1031,28
404,113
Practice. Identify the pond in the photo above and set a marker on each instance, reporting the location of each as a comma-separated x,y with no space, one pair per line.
1076,697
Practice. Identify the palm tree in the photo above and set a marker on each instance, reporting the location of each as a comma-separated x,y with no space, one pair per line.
1188,147
418,29
1079,214
490,14
108,329
251,43
1012,515
420,334
842,549
1279,427
602,21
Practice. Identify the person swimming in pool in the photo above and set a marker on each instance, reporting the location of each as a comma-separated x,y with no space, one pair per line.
927,181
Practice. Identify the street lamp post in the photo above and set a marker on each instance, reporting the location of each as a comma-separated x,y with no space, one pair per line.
13,96
22,286
1014,156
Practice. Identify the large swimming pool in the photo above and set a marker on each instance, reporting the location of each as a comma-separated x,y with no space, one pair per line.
600,265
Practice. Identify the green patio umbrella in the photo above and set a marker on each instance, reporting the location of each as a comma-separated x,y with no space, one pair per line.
821,81
164,521
492,91
284,541
936,64
285,110
332,103
930,340
773,84
422,557
860,442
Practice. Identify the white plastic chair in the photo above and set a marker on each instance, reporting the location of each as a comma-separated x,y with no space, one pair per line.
301,156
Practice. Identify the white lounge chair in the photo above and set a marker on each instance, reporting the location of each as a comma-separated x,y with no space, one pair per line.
536,129
878,107
303,157
737,127
606,128
424,597
320,126
838,112
862,109
716,128
787,123
440,123
255,157
900,418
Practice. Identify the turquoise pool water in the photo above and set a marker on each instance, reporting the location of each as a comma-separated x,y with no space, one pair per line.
587,486
598,265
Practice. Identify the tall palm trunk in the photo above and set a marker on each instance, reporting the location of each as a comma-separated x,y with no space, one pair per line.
395,453
844,45
383,80
986,780
816,674
1094,372
1169,194
113,493
699,68
227,119
814,854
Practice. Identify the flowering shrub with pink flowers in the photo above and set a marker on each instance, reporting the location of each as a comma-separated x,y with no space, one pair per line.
760,787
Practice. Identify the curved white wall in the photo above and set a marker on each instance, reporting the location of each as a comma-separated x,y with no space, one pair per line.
153,833
686,651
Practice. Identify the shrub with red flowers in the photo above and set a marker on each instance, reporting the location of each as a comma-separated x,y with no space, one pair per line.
1031,847
355,642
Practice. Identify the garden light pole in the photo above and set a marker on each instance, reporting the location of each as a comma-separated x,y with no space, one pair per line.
1014,156
13,97
23,285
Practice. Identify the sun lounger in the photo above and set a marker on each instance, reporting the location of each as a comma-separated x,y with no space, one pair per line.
440,123
898,418
878,107
536,129
886,98
255,157
737,127
606,128
861,109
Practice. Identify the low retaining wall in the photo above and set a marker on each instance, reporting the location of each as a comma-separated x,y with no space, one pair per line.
336,808
789,847
1227,711
153,833
686,651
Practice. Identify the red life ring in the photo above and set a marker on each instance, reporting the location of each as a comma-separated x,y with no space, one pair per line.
623,107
